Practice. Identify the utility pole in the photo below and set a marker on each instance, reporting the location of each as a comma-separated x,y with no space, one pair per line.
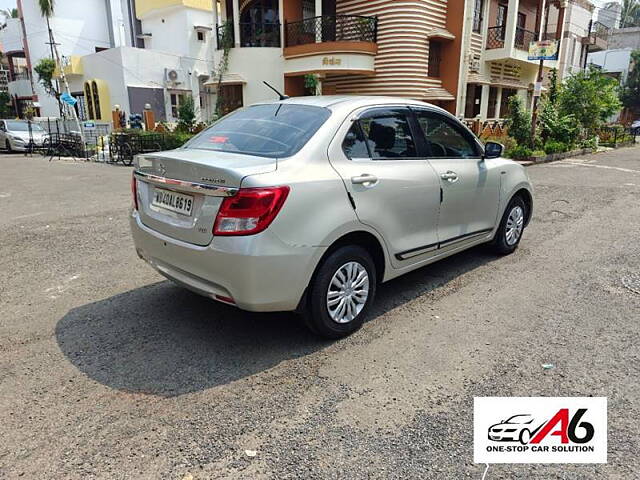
543,12
53,58
67,89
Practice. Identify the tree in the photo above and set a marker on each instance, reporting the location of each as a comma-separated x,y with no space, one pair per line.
186,115
591,97
630,94
629,12
45,69
519,121
6,109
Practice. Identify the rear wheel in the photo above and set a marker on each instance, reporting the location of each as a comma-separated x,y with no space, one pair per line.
511,227
8,147
341,293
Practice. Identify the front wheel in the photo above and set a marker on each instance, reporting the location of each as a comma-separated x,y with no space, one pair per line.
341,293
511,227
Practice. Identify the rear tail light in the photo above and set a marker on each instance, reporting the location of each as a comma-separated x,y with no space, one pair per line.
250,211
134,191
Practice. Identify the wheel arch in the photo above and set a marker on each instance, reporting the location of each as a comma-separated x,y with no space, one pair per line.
527,198
361,238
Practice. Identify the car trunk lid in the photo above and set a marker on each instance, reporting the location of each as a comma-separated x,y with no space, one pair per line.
180,192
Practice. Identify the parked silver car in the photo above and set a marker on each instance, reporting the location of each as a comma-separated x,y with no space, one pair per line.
307,204
15,135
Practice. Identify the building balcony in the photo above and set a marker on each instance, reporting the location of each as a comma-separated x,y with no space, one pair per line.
598,39
71,65
20,86
331,44
500,46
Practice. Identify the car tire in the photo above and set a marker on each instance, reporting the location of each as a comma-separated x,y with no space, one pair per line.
511,227
341,293
525,437
8,147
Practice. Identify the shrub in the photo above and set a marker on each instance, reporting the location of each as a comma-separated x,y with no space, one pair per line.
519,121
553,146
186,115
557,127
590,143
519,152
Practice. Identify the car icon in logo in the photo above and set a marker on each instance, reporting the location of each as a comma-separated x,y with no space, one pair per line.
519,428
162,169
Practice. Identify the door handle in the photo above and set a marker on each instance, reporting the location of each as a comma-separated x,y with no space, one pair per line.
450,176
365,179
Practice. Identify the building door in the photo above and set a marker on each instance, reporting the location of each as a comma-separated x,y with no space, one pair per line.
231,98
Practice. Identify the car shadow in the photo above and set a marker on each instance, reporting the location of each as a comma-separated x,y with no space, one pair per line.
163,340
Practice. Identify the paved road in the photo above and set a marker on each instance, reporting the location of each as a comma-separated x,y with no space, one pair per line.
108,371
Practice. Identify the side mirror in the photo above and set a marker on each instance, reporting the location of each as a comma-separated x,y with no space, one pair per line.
493,150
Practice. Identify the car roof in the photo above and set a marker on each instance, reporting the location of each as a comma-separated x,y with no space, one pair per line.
338,102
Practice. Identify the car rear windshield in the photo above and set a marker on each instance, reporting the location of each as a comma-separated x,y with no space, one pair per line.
275,130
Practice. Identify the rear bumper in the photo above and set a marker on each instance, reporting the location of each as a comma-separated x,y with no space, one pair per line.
260,272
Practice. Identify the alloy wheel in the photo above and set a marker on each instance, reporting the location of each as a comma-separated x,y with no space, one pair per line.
348,292
515,225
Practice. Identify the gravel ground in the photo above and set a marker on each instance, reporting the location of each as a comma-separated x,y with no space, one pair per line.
107,371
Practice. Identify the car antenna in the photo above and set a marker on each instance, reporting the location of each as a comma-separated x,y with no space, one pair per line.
282,97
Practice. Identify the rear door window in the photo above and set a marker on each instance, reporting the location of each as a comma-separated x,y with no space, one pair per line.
388,134
276,130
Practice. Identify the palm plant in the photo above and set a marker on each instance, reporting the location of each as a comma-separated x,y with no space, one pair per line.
629,12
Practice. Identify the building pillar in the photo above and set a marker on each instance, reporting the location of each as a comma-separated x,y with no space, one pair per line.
236,22
498,102
512,23
484,102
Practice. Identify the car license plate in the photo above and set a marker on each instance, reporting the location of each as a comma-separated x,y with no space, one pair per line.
176,202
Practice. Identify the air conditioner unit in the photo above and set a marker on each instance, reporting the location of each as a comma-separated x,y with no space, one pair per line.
173,77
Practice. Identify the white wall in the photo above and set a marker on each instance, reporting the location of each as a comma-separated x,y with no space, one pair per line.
256,65
616,61
11,36
172,31
78,26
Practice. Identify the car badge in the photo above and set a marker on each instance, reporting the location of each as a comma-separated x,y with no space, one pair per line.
162,169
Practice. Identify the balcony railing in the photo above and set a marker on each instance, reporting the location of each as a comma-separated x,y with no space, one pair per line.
260,34
524,38
331,28
495,37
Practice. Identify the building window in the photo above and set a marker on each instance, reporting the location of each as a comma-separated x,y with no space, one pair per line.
477,15
177,99
435,56
200,34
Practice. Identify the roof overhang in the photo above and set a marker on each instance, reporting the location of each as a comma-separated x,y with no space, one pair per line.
440,34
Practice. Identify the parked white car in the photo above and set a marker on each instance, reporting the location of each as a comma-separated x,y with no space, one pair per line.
307,204
15,135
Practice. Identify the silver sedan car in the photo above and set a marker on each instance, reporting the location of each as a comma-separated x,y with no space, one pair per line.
17,135
307,204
